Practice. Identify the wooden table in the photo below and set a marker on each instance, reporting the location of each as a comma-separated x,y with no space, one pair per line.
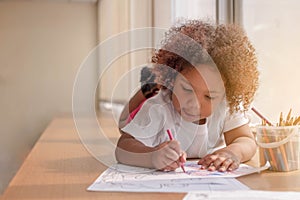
59,167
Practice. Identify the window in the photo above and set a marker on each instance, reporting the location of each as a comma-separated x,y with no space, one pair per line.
194,9
275,34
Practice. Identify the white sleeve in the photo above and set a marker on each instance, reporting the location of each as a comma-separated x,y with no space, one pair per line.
148,123
235,120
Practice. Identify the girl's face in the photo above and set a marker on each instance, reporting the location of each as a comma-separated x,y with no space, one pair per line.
194,97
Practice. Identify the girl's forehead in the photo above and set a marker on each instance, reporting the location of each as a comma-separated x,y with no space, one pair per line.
203,75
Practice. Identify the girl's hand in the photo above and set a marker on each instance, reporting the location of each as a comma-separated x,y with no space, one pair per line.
222,160
168,156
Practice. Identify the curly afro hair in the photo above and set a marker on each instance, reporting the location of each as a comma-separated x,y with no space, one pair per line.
197,42
236,60
183,46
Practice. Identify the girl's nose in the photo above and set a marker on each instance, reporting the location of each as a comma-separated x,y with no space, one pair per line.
194,103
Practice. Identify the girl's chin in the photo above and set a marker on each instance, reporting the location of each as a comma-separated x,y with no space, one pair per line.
191,119
194,120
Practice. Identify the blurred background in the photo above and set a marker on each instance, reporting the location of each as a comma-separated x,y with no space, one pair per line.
44,42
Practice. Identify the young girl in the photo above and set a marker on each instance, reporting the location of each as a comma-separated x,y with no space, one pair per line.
208,79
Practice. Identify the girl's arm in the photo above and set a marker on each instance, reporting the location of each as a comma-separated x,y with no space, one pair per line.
133,152
240,147
147,90
241,142
133,103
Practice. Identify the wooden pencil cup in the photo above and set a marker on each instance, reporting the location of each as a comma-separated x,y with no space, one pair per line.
280,146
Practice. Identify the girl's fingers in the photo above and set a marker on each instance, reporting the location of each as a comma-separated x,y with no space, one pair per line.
169,155
233,166
171,166
210,159
182,158
211,167
172,155
174,144
166,169
218,162
207,161
225,165
171,162
175,165
214,162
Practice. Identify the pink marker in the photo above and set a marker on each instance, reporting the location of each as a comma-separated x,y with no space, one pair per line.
171,138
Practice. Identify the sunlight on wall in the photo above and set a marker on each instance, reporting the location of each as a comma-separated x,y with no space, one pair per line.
194,9
275,34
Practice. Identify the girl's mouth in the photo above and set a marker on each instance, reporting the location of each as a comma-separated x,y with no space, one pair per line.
188,114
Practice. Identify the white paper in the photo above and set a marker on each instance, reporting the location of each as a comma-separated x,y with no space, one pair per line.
179,186
136,179
120,172
245,195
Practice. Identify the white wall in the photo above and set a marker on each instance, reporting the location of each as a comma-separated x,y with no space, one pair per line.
42,44
275,35
119,79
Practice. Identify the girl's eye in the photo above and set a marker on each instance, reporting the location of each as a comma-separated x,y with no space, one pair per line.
209,97
187,89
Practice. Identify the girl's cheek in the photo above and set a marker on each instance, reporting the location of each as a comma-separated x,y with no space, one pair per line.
207,109
176,103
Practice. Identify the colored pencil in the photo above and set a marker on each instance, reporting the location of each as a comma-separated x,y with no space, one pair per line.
171,138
